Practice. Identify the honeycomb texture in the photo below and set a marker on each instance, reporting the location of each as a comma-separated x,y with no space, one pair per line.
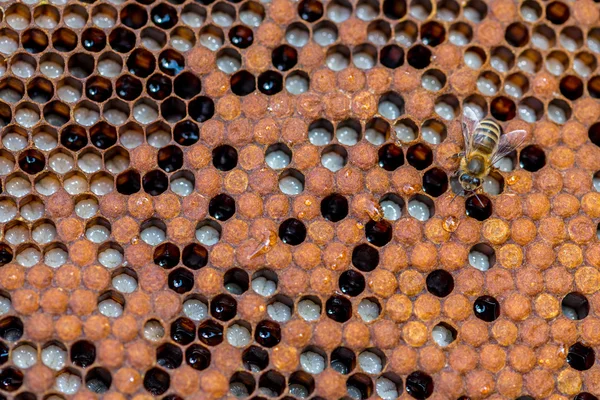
258,199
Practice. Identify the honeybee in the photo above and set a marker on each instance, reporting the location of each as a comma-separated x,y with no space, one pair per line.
485,145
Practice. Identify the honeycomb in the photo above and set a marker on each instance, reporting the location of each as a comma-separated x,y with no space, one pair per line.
258,199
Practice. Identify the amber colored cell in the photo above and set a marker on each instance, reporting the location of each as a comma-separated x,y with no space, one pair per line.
517,306
285,358
383,283
327,334
427,307
463,358
403,359
474,332
297,333
587,111
82,302
539,383
127,380
68,327
432,359
415,333
565,205
96,327
330,384
547,306
356,335
214,384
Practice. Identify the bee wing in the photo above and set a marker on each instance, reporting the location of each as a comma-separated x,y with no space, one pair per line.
507,143
469,124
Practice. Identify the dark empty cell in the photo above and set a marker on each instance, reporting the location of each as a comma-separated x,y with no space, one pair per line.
156,381
169,356
394,9
517,34
4,353
11,329
164,16
351,283
365,257
221,207
6,254
432,33
22,396
419,156
170,158
378,233
284,57
98,380
440,283
186,133
267,333
134,16
64,40
93,40
557,12
40,90
419,56
159,86
270,82
35,41
171,62
242,83
166,255
575,306
83,353
128,88
74,138
391,56
419,385
11,379
187,85
128,182
210,333
292,231
503,108
532,158
32,161
122,40
310,10
571,87
435,182
194,256
201,109
155,182
183,331
241,36
594,133
362,383
594,87
103,135
255,358
581,357
338,308
273,381
223,307
173,110
343,360
584,396
197,357
478,207
334,207
390,157
225,158
141,63
98,89
181,280
486,308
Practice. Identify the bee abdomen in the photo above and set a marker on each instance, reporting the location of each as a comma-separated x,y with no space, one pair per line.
485,138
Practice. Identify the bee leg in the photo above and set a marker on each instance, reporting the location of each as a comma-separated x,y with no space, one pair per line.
458,156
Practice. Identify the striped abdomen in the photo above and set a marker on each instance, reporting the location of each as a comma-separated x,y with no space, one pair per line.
485,138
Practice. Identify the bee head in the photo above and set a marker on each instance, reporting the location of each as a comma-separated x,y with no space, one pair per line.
469,183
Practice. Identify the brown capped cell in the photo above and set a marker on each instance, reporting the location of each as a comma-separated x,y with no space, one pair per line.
521,358
510,256
264,181
167,205
592,379
457,307
517,306
54,301
143,158
565,205
530,281
82,252
564,330
226,358
125,328
198,156
234,231
167,305
523,231
327,334
448,56
406,80
520,181
296,333
213,383
322,280
464,80
40,276
474,332
415,333
285,358
319,181
252,307
403,360
39,378
587,279
311,56
549,181
111,353
581,229
435,231
505,332
547,306
266,131
508,206
539,383
398,308
330,384
255,105
427,307
307,256
127,380
590,203
382,283
588,157
364,105
185,380
113,205
536,206
251,157
96,327
540,255
534,332
352,79
469,281
323,80
209,182
489,32
68,277
201,60
82,302
411,282
336,256
574,134
386,334
228,107
140,355
480,384
589,331
545,85
152,278
222,255
468,231
432,359
269,34
140,205
586,110
577,181
379,79
337,105
569,382
424,256
561,157
353,31
68,327
216,84
498,281
39,326
70,229
25,301
551,356
420,104
504,11
212,132
586,12
181,230
294,281
139,303
496,231
463,358
570,255
450,382
12,276
96,277
509,383
60,204
125,229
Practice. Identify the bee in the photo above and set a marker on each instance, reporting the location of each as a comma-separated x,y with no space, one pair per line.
485,145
